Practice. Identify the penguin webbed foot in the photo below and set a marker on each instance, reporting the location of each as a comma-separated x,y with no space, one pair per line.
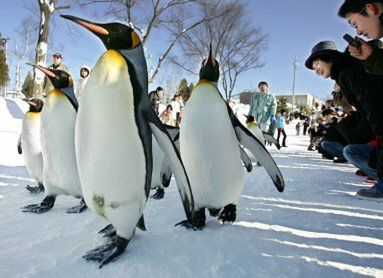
108,231
197,223
79,208
44,206
108,252
229,213
188,225
35,189
160,193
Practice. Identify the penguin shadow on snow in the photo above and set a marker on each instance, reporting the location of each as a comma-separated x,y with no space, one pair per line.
14,109
14,176
351,242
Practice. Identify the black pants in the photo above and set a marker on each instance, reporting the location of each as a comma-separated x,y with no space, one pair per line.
282,130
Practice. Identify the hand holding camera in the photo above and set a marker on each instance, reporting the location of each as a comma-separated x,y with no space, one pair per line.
358,48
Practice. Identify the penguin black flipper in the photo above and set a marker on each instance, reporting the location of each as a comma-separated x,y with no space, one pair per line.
245,159
173,131
271,139
249,141
19,149
166,172
69,93
175,162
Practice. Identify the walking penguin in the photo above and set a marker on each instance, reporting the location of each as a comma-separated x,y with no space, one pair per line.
60,174
114,138
210,148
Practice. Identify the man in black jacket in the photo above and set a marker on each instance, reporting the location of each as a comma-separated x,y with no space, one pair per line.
364,92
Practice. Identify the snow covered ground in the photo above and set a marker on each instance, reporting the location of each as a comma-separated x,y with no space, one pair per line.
315,228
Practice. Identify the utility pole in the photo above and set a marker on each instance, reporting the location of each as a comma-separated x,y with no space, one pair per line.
295,66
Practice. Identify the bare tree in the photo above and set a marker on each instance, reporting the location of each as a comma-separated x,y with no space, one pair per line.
22,50
47,8
173,17
237,44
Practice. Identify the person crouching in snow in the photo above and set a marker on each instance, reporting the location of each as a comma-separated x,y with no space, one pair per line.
84,73
363,91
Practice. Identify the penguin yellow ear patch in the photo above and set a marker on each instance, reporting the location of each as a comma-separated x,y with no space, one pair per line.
70,80
135,39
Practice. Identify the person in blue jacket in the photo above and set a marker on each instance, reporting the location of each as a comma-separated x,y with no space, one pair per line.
281,127
263,106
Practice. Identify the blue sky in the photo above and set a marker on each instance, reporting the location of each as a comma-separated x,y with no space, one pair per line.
293,28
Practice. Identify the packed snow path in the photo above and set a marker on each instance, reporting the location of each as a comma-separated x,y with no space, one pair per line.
316,228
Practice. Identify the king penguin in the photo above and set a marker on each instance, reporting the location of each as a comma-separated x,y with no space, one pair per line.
60,174
30,144
210,148
114,146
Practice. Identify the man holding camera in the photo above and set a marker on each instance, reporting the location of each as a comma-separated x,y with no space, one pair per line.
366,17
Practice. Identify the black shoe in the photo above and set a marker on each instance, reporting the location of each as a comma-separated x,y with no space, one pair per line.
360,173
284,146
371,194
339,160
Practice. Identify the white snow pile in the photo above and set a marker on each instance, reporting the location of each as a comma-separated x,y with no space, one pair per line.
316,228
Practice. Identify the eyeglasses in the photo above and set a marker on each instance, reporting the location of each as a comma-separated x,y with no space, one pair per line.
353,24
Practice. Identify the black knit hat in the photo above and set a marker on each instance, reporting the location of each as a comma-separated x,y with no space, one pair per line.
323,48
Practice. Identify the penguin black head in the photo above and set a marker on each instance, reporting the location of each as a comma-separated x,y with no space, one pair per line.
210,68
59,78
114,35
35,104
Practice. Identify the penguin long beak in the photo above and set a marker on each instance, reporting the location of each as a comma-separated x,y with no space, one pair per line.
44,70
210,58
29,102
91,26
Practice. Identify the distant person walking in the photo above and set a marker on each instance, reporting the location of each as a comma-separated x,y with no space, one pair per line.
298,127
263,106
84,74
306,125
57,65
155,98
281,127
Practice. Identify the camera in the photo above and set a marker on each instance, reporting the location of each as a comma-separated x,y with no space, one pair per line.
351,41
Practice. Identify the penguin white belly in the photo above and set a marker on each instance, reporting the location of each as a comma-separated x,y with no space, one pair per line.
158,157
209,150
109,150
31,145
60,174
